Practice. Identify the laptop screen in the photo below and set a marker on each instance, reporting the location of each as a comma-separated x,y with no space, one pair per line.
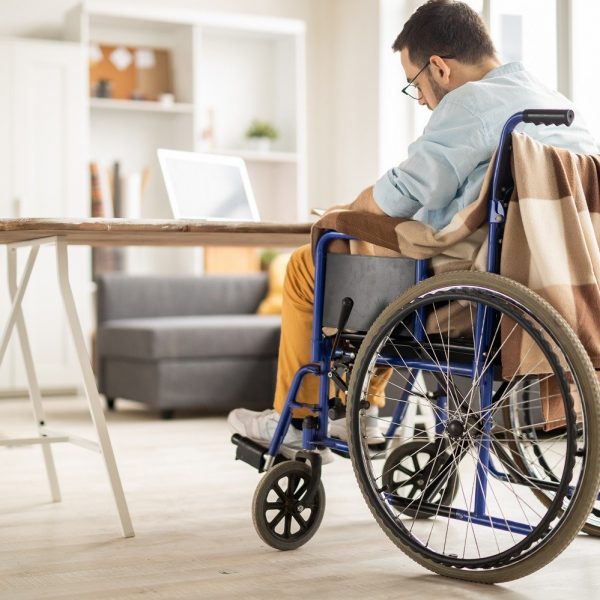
206,186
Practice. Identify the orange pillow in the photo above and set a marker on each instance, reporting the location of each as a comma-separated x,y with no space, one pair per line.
271,305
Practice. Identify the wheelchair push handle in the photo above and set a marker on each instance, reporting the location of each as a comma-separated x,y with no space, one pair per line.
548,117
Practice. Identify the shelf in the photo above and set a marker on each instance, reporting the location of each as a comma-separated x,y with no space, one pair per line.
256,156
248,68
141,106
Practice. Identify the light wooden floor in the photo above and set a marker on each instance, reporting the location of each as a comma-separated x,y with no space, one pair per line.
190,504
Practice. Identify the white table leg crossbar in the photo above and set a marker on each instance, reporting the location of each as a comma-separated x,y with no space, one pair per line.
47,437
37,440
52,437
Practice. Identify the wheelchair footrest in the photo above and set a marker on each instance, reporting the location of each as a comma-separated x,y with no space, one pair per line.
249,451
252,452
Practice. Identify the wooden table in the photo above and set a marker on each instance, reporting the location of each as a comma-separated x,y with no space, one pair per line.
155,232
33,233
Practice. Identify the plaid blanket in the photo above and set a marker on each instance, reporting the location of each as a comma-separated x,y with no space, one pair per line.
551,238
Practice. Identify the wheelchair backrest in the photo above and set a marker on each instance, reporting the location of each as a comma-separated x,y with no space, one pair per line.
371,281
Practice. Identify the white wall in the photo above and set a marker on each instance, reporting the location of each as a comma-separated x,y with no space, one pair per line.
400,119
342,78
354,27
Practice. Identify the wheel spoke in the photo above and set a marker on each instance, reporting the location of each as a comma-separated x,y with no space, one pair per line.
301,490
277,489
287,530
302,523
276,520
291,487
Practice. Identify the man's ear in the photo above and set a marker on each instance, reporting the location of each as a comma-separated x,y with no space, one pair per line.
440,70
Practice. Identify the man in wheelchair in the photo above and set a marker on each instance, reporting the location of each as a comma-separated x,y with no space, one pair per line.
452,68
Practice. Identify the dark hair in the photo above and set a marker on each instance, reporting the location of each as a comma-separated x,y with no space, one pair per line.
445,28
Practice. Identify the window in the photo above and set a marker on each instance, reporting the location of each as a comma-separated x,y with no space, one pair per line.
525,30
586,48
522,30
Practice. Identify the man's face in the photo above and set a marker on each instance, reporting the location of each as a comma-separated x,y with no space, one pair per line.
430,91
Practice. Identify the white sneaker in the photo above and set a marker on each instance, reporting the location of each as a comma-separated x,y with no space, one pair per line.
260,427
371,425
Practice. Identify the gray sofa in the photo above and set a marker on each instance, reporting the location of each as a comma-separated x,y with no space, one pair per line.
186,342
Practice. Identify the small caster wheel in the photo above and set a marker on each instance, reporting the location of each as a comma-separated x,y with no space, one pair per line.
410,467
281,518
110,403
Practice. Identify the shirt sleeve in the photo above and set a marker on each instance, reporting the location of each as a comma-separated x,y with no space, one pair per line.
452,145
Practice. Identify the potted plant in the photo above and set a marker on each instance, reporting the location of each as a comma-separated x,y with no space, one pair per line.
261,134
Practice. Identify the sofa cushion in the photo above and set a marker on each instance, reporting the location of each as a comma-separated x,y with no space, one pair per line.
190,337
214,384
122,296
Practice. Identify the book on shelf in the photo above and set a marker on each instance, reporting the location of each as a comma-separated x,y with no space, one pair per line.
97,208
102,191
116,190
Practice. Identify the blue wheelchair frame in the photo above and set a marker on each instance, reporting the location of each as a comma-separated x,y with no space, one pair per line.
321,349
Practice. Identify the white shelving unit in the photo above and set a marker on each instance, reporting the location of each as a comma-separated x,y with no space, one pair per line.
145,106
236,68
256,156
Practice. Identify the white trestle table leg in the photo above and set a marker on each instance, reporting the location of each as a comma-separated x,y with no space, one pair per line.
16,301
90,387
32,382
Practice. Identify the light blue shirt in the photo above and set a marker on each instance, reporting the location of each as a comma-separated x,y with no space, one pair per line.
445,167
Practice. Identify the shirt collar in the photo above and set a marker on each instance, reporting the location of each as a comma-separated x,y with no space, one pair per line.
512,67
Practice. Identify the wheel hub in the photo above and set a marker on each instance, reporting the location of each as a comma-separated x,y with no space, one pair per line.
455,429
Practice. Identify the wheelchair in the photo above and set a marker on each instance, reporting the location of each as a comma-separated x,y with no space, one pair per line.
482,491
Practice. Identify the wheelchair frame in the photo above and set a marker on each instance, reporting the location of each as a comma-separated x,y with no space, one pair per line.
324,354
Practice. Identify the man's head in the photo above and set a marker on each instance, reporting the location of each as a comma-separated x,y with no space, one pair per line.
443,45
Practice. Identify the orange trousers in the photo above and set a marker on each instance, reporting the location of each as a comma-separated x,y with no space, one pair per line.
296,334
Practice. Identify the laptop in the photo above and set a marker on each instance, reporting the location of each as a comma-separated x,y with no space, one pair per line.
207,187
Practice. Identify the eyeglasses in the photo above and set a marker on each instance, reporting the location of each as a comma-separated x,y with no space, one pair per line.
411,90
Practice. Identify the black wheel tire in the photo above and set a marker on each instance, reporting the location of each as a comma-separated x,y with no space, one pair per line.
413,448
590,527
305,523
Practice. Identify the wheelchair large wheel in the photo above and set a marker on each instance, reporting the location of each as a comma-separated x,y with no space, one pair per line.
472,325
282,516
531,448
